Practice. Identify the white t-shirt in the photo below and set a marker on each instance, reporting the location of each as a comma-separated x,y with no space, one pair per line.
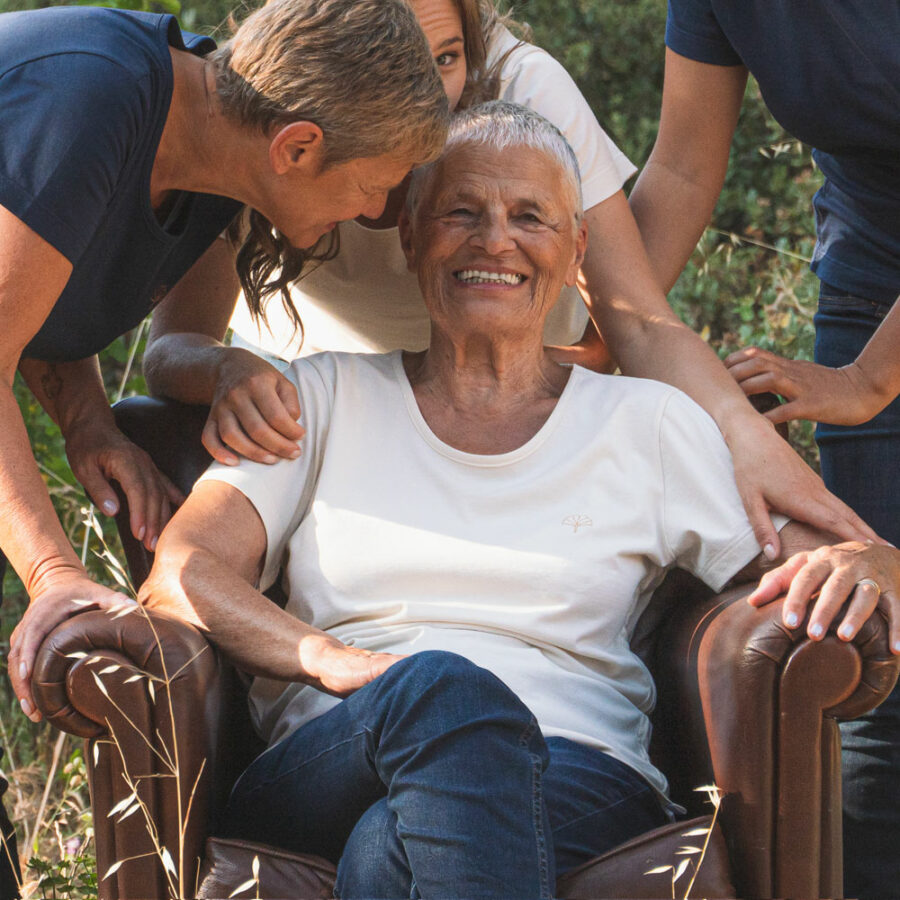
365,300
534,564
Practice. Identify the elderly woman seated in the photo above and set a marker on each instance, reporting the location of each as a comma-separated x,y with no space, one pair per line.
466,542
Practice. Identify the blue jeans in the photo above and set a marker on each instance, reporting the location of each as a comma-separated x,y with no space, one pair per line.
434,780
861,464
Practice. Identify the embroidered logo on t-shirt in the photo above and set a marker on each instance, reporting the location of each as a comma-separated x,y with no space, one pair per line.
577,521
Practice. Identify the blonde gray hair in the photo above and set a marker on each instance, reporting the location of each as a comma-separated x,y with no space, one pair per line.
359,69
502,125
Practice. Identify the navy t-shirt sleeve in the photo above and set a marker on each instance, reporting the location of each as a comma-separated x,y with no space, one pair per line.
67,132
693,31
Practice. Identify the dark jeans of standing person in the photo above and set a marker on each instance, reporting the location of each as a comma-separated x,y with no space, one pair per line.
861,464
10,876
434,780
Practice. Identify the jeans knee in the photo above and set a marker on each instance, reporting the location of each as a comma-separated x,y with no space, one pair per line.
454,688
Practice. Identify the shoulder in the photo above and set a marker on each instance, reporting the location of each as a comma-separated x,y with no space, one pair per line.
335,371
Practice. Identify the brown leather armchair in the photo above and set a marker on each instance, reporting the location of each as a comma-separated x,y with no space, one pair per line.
743,703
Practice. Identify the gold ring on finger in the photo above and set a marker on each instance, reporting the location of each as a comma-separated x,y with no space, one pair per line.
869,581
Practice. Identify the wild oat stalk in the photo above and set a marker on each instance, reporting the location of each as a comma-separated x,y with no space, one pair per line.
715,797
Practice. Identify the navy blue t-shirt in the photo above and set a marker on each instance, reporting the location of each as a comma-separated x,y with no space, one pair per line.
84,95
829,70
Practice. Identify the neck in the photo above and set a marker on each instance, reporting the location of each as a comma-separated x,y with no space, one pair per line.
200,149
484,396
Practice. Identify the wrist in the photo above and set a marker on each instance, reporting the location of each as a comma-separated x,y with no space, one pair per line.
50,573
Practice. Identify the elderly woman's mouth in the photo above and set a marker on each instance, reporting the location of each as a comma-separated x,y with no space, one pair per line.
479,276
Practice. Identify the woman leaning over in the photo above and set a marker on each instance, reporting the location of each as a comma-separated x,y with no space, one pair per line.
829,71
157,141
364,299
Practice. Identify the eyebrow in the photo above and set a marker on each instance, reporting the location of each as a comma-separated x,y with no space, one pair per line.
449,42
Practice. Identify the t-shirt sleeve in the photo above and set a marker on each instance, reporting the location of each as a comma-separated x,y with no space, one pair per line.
533,78
692,30
706,529
68,122
282,492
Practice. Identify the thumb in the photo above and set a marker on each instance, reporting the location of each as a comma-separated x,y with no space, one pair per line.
761,523
784,412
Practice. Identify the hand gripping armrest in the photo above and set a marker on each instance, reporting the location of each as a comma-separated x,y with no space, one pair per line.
768,699
145,688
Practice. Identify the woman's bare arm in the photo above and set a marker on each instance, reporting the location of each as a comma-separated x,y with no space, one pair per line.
254,408
206,564
32,276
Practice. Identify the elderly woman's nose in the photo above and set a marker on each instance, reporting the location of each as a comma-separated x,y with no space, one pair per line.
494,235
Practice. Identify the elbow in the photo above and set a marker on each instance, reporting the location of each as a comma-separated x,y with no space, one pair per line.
169,587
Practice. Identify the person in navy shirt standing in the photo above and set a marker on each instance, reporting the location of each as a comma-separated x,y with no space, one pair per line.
126,149
829,70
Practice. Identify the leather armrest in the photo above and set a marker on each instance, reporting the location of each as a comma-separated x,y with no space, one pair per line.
84,682
766,698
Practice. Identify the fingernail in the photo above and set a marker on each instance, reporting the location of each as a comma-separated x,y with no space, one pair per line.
268,459
769,552
230,461
816,631
897,647
845,631
791,620
153,544
295,453
23,671
26,707
142,532
109,507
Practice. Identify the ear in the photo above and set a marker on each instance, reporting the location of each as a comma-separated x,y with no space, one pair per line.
581,240
298,145
405,225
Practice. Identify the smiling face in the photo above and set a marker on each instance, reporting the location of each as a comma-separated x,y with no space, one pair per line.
494,239
441,22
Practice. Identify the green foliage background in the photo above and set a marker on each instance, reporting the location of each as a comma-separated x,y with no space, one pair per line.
747,283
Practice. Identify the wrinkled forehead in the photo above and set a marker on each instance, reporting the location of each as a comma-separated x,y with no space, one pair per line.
474,168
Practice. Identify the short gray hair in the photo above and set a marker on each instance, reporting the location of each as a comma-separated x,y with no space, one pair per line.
502,125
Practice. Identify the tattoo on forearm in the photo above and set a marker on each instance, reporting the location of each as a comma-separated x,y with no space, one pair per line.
51,382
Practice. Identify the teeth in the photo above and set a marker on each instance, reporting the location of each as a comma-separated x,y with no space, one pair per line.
476,276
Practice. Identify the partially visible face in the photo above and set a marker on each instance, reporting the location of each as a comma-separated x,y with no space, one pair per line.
494,239
443,29
312,205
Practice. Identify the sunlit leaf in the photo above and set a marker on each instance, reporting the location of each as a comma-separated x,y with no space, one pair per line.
78,654
659,870
680,870
112,870
152,690
101,685
243,887
695,832
686,851
137,677
110,669
130,811
122,804
166,858
127,611
254,867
